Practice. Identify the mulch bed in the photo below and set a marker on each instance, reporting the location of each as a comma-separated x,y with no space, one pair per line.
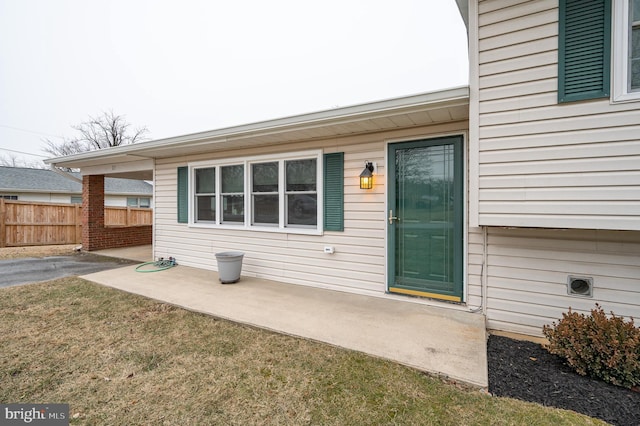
526,371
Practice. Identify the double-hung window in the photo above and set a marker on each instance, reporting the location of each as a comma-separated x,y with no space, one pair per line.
626,77
205,194
269,193
301,192
265,198
232,180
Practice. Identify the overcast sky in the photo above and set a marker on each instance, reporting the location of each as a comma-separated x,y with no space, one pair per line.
185,66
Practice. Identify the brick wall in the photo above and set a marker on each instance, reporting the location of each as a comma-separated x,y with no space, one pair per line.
95,236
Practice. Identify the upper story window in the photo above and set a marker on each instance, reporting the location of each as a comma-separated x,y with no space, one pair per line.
626,42
264,193
634,48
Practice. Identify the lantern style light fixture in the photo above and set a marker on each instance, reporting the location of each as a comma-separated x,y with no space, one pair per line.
366,177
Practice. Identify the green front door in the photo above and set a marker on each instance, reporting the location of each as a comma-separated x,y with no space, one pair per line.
424,218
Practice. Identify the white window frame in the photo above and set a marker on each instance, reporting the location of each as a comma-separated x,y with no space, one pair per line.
220,205
282,226
193,196
621,36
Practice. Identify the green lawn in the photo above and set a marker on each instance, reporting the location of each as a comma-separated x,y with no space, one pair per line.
121,359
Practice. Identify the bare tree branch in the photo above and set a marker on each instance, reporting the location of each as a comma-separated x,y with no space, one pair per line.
99,132
14,161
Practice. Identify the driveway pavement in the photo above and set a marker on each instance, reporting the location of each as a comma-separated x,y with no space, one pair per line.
31,269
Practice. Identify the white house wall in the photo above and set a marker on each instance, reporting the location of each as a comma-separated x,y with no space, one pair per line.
43,197
359,261
109,200
528,270
542,164
573,167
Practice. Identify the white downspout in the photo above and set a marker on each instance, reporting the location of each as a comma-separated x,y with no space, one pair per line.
485,275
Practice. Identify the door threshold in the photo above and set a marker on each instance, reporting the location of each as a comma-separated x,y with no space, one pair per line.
444,297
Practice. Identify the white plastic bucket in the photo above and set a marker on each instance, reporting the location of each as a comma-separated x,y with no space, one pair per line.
229,266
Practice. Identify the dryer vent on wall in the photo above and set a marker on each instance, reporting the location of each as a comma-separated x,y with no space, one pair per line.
580,286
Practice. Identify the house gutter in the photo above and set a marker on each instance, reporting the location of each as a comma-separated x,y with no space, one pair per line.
280,125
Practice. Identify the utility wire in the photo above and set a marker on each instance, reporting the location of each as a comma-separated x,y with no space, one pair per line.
21,152
31,131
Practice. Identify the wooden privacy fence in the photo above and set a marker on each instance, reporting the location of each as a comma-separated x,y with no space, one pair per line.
24,223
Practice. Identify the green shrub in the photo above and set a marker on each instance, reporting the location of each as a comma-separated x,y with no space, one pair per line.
601,346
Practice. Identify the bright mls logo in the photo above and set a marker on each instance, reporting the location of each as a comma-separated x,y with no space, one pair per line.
34,414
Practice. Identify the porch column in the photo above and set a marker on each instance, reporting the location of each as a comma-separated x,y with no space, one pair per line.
92,211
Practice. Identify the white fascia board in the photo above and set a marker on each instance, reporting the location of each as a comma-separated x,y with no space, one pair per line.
118,167
296,122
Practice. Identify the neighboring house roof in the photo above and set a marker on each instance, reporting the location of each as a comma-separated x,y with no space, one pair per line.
19,179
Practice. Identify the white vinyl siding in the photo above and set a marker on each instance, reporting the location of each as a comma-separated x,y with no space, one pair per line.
474,267
359,262
542,164
527,272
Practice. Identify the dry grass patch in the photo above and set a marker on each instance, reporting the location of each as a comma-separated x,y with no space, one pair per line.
36,251
121,359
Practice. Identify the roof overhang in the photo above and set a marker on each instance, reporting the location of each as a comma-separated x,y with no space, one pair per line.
463,7
405,112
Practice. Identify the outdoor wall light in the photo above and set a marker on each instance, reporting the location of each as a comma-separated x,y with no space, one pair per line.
366,177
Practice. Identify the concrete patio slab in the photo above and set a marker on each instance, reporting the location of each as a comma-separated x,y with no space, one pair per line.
441,341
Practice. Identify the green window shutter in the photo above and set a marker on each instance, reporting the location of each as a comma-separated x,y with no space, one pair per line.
584,50
334,192
183,194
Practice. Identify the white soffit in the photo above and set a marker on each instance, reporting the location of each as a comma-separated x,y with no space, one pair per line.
406,112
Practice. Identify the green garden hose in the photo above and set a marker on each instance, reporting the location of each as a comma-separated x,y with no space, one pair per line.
160,265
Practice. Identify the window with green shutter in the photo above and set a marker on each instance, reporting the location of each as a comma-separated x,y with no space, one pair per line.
334,192
584,49
183,194
272,193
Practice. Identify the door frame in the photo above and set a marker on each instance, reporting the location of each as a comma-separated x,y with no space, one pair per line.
390,188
